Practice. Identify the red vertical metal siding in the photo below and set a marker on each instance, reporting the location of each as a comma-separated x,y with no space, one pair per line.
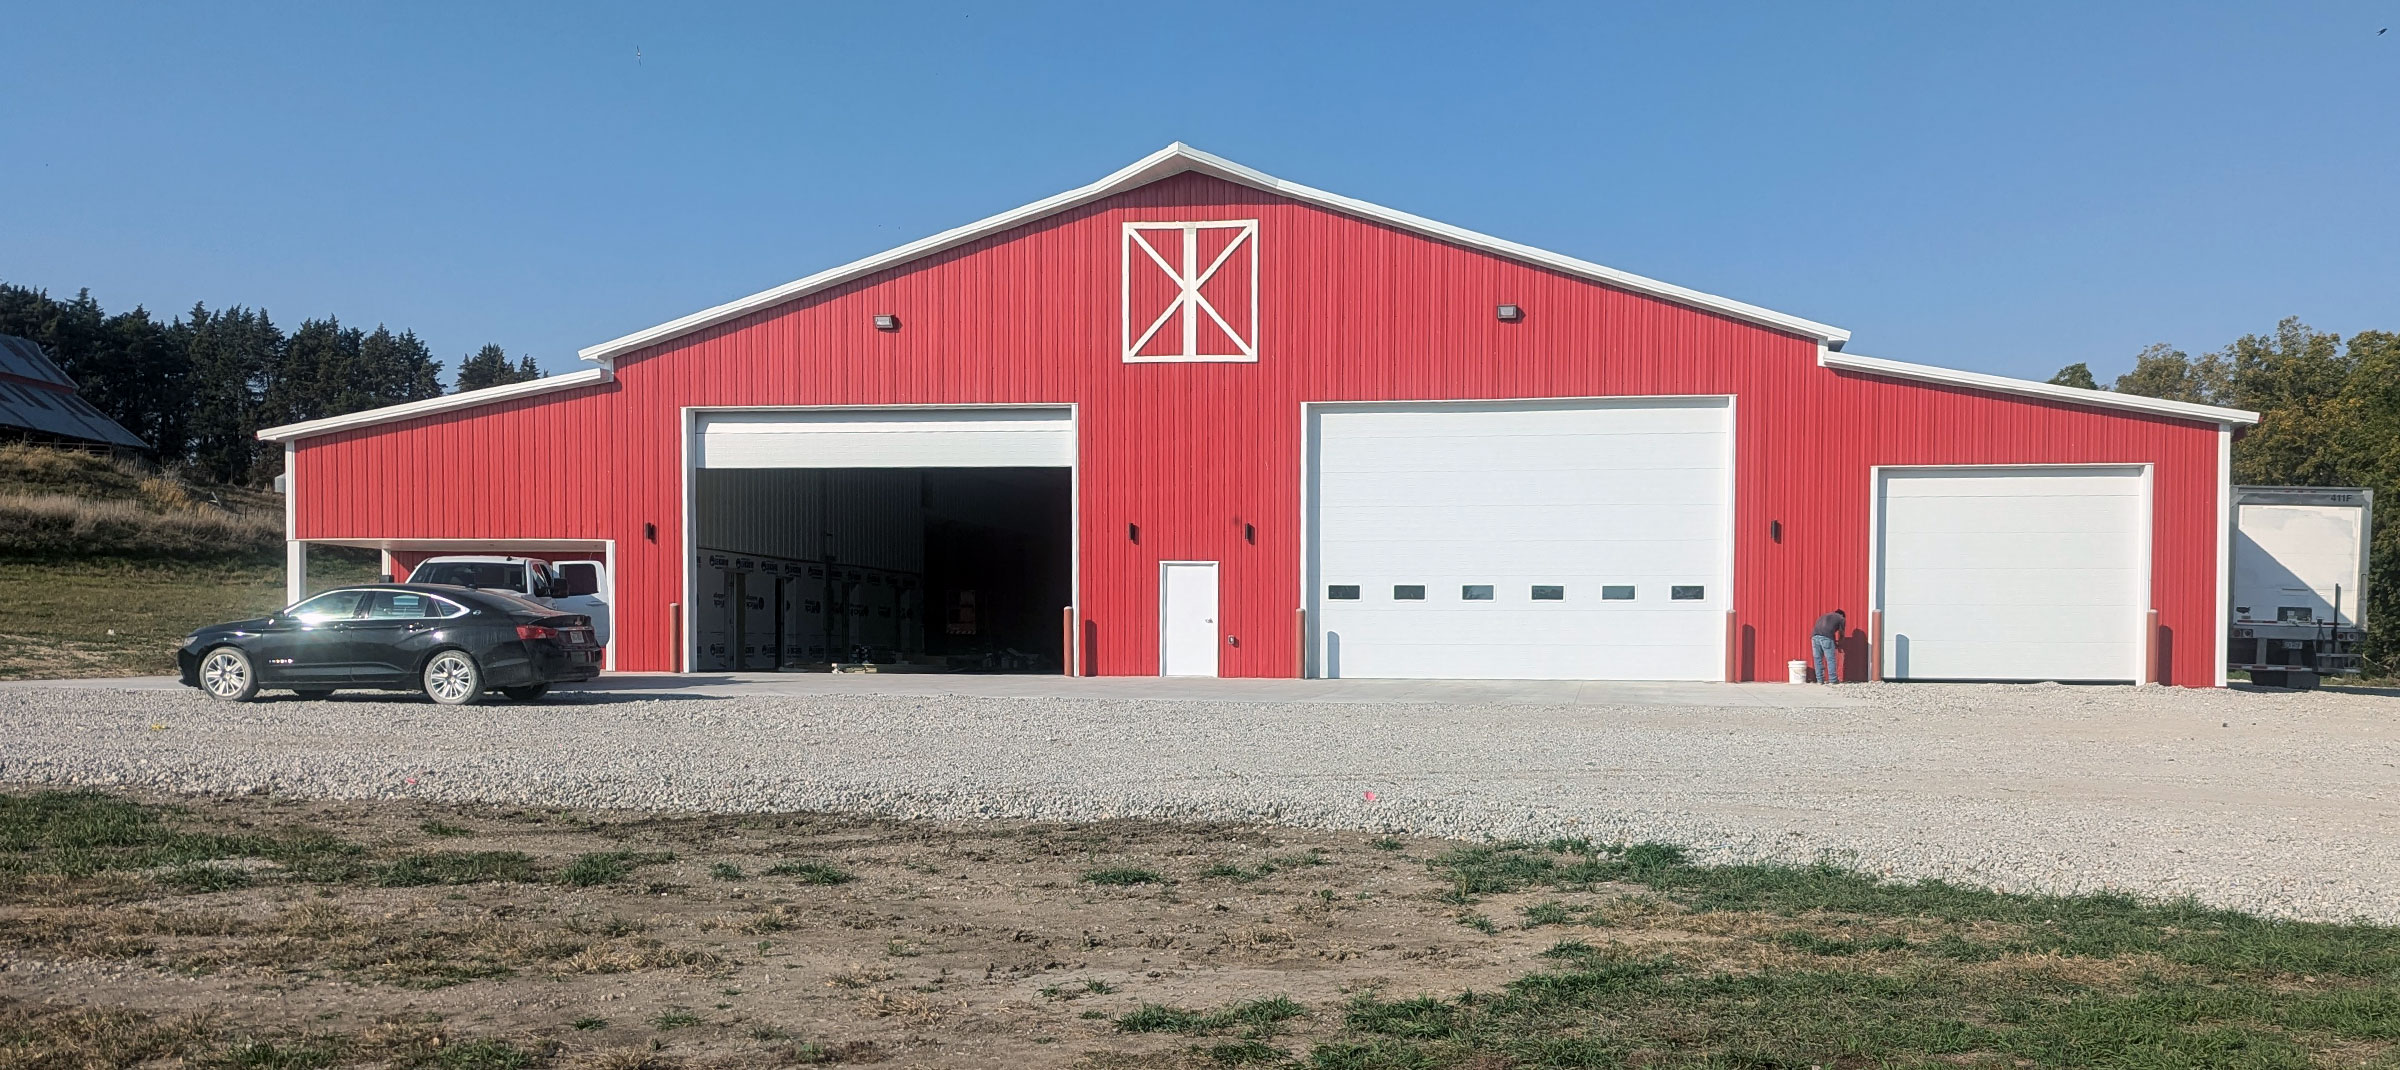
1348,311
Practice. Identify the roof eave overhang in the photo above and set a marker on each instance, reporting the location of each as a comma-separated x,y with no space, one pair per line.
1176,159
464,399
2100,399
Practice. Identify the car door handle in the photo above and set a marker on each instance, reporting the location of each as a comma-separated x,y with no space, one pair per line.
418,627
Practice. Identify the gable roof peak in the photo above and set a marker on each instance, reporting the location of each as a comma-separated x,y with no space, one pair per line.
1175,159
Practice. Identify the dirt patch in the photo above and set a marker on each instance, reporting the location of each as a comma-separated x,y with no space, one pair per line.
265,932
754,938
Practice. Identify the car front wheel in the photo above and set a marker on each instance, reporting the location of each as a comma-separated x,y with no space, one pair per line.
226,675
528,693
453,679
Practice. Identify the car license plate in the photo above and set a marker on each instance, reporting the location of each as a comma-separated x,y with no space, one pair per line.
579,636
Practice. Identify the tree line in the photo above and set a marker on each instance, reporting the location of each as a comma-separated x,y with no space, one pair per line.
198,387
2329,416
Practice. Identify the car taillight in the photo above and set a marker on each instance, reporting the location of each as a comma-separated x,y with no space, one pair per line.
536,631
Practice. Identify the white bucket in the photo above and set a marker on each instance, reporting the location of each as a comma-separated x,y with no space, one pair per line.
1799,672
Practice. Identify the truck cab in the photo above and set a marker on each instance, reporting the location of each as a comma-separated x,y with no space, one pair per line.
568,586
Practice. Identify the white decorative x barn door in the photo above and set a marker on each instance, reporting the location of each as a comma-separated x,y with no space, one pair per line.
1191,291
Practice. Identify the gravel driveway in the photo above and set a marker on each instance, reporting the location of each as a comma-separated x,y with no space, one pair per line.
2275,802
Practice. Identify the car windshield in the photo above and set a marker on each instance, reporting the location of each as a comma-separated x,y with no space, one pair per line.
498,575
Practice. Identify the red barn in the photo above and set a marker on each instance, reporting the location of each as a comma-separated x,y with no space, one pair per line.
1194,419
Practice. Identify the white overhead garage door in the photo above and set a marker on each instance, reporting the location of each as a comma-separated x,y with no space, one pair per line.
2013,573
887,438
1521,540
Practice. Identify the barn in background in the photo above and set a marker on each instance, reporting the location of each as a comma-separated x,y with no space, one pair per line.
1192,419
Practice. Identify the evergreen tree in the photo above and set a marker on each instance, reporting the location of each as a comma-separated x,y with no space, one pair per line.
230,354
490,367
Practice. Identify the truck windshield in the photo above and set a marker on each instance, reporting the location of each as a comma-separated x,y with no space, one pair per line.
496,575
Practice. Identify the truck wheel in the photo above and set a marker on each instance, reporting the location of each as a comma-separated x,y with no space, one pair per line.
528,693
225,674
453,679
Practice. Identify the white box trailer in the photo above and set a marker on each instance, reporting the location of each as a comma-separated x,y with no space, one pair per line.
2299,582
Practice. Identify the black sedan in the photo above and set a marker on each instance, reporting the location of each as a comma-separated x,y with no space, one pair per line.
453,643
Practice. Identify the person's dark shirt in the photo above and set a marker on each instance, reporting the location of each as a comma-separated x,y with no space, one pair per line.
1829,626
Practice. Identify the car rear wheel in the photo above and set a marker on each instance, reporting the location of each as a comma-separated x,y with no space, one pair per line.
313,696
453,679
528,693
225,674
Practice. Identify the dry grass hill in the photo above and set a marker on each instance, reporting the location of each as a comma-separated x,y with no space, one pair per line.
105,563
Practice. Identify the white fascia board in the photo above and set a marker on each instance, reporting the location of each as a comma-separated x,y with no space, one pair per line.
464,399
2103,399
1178,158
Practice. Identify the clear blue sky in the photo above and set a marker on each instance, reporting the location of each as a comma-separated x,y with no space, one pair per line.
2006,190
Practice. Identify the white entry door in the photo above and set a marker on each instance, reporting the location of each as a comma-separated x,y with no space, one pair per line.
1187,618
1561,540
2007,573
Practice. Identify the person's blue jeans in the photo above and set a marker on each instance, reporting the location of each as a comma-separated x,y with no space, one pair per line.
1823,645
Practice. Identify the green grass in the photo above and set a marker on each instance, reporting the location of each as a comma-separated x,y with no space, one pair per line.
675,1020
1552,912
483,1053
1894,974
82,833
1245,1053
456,867
1255,1018
608,867
1122,877
1268,867
444,829
2091,926
810,872
306,1054
727,871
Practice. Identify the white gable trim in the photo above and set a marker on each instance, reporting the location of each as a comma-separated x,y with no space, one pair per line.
464,399
2104,399
1178,158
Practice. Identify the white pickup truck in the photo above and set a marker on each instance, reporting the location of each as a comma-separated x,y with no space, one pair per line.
568,586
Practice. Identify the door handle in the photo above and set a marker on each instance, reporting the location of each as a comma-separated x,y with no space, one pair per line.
418,627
